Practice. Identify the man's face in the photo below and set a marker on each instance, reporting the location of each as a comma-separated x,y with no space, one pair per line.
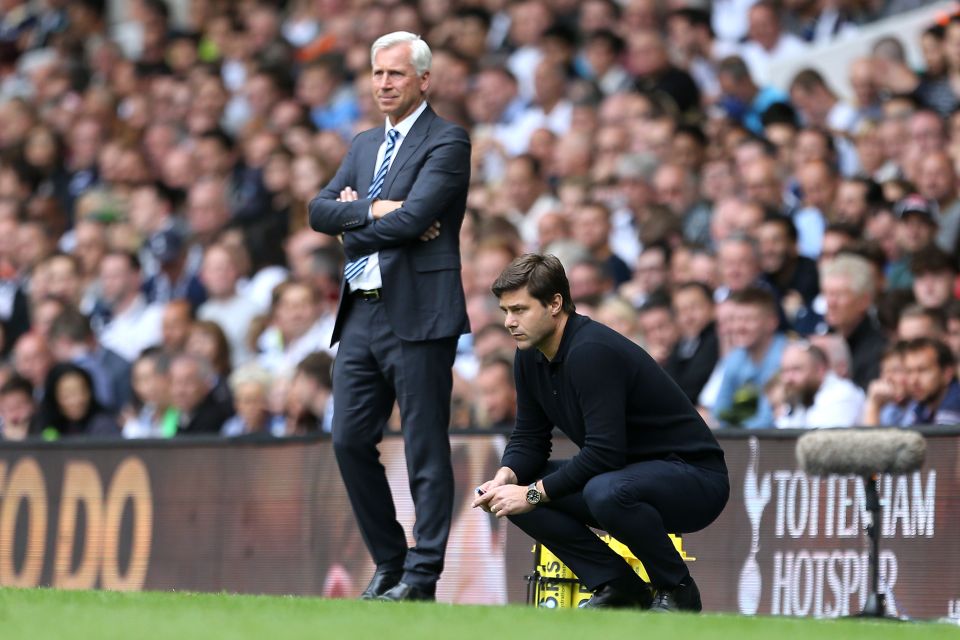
529,322
693,311
936,179
801,375
925,379
498,398
738,265
775,246
933,289
175,326
591,228
752,325
659,330
16,411
116,279
397,88
187,388
295,312
845,308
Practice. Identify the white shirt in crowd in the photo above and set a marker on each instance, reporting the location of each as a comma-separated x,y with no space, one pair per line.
838,403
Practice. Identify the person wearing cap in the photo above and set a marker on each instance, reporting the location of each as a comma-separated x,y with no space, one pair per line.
915,231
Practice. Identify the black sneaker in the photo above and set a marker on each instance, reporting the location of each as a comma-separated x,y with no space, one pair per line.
685,597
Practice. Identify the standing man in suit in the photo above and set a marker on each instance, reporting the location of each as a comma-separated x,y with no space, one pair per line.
398,201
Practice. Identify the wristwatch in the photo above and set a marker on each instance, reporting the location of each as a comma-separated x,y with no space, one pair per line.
533,494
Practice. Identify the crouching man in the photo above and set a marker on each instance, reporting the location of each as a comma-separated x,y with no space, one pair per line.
647,464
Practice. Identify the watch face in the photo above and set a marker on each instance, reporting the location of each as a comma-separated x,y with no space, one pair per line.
533,496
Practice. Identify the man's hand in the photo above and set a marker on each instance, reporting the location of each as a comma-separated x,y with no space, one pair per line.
348,194
432,232
504,476
505,500
381,208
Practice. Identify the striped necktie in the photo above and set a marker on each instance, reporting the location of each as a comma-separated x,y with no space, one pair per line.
356,267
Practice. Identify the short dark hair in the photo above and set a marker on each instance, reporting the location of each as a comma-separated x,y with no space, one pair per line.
945,359
318,366
933,259
17,384
541,274
694,285
72,325
756,297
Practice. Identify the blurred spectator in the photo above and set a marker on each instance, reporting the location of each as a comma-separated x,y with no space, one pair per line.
756,357
69,406
296,329
937,182
676,188
175,326
658,327
738,263
848,287
916,228
767,43
888,395
192,386
17,410
619,315
591,228
32,360
133,324
150,415
917,322
590,284
250,387
934,278
793,277
651,274
815,396
496,403
71,340
931,383
817,104
313,384
696,352
741,99
837,352
224,305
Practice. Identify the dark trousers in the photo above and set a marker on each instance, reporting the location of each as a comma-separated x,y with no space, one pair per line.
638,505
373,368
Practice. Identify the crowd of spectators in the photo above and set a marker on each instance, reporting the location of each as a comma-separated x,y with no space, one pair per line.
789,257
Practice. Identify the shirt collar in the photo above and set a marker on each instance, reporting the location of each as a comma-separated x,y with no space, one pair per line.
407,123
574,322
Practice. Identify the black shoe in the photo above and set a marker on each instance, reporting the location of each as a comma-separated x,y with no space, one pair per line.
608,597
382,581
404,592
686,597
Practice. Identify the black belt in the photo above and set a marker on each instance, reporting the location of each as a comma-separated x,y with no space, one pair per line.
367,295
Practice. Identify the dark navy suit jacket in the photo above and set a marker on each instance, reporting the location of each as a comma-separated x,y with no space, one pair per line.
422,289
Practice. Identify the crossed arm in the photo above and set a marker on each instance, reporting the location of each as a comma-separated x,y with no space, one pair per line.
441,181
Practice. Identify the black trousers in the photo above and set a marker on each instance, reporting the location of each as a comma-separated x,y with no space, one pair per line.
373,368
638,505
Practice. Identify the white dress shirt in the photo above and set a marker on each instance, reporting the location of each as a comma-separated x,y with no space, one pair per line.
370,277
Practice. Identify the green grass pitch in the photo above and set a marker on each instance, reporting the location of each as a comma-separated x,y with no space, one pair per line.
38,614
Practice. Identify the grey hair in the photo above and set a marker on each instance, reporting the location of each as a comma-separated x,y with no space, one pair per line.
420,55
251,373
853,267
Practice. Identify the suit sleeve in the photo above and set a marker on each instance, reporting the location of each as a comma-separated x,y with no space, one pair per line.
530,444
332,217
442,180
596,371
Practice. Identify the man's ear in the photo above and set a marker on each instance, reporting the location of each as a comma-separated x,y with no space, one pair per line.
556,304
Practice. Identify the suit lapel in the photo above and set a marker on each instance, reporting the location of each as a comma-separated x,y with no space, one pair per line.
413,141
